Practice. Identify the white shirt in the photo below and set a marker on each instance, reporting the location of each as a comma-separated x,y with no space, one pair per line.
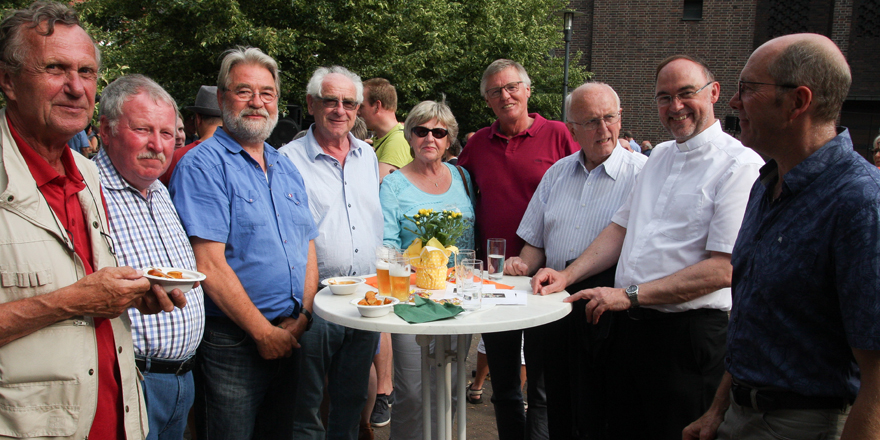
688,200
344,203
572,205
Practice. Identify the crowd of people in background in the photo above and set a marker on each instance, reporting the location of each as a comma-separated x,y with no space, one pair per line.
714,295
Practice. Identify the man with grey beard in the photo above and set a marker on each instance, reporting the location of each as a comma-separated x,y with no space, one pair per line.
245,209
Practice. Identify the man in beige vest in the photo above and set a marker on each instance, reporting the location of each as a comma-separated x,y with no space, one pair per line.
65,346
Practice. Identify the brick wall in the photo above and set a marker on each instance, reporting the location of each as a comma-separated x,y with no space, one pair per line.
627,40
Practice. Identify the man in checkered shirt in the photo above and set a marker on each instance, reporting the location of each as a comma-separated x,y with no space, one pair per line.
138,121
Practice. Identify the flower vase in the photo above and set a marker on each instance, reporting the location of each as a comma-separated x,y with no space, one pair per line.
431,271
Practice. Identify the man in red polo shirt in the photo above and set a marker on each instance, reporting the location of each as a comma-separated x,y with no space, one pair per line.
65,344
507,161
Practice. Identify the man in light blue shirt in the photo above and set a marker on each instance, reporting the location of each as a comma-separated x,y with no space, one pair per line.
246,211
573,203
341,176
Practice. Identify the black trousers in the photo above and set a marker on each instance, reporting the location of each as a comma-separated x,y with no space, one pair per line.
662,371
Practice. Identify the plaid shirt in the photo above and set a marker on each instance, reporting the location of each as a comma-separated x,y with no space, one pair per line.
147,232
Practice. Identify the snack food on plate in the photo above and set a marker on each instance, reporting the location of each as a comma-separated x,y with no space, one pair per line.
371,300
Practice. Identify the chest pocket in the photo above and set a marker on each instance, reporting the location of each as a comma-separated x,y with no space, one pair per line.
684,217
297,207
248,207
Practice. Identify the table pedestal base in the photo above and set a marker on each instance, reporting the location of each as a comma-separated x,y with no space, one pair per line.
442,360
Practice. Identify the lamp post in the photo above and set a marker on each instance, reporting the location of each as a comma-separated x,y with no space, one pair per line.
567,17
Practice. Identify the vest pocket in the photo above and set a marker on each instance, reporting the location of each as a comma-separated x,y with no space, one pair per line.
41,375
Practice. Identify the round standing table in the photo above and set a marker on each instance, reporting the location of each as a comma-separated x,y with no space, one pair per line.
537,311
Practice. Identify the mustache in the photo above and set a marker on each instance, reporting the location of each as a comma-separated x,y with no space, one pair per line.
254,111
152,155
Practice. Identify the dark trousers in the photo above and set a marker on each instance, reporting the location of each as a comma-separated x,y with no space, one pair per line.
662,371
240,395
503,355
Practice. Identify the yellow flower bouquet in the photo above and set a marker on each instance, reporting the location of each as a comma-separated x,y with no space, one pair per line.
436,233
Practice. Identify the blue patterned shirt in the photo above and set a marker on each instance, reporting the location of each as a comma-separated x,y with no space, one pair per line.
148,233
806,275
223,195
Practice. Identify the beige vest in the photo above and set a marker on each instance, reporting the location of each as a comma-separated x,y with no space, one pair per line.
48,379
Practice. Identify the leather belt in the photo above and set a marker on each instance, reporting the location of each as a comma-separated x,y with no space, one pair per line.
177,368
769,400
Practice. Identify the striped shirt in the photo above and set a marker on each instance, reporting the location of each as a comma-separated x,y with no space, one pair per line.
572,205
147,232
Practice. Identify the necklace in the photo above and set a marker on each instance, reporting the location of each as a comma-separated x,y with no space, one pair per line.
436,183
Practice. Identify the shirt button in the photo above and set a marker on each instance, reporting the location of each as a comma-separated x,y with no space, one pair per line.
95,225
250,200
91,372
292,267
285,241
577,227
349,205
355,251
126,408
289,195
10,198
120,349
583,204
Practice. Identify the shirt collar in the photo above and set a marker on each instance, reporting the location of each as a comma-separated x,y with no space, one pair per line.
112,180
314,150
701,139
269,153
494,129
804,173
612,164
40,169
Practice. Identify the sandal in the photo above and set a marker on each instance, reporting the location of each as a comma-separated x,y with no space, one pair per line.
474,396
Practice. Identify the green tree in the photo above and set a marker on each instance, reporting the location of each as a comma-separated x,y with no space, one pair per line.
426,48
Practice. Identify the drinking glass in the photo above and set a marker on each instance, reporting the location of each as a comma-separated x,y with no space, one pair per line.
399,270
471,284
384,255
463,254
495,250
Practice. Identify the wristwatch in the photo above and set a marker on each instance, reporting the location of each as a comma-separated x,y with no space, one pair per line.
308,317
632,292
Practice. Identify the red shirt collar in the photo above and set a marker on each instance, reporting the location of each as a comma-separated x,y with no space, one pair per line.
42,172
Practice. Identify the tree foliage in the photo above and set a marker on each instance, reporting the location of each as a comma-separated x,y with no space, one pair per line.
426,48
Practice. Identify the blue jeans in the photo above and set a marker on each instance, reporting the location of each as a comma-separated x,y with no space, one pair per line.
344,356
169,398
240,395
503,354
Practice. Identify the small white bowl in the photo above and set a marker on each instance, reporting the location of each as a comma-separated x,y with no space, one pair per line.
185,285
376,311
343,289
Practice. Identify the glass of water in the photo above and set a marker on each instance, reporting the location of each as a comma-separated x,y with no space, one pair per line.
495,250
470,284
463,254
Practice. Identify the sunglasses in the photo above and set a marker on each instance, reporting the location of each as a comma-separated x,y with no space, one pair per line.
439,133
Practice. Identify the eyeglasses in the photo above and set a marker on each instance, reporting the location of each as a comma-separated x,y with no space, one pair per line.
439,133
743,89
593,124
246,95
334,102
511,88
664,100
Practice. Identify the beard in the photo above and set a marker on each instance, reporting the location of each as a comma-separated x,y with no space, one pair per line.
248,131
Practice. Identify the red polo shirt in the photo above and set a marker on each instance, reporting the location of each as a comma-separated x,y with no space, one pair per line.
507,171
60,192
165,178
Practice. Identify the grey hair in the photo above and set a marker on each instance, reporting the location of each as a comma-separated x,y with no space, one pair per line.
12,46
124,88
313,89
249,56
805,63
500,65
876,143
583,88
427,110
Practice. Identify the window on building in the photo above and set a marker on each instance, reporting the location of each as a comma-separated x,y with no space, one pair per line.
693,10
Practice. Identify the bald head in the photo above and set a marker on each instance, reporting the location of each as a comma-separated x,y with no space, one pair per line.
593,112
813,61
580,97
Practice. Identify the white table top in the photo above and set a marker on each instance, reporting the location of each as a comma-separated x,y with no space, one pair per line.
537,311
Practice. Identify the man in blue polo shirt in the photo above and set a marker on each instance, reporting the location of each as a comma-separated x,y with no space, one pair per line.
804,333
245,210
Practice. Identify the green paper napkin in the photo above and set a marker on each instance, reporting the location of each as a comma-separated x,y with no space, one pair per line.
425,310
